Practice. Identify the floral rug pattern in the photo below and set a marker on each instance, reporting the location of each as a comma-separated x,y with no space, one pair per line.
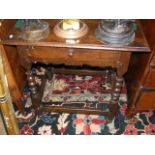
81,124
79,91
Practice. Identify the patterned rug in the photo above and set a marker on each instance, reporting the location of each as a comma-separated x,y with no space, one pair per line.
89,91
80,91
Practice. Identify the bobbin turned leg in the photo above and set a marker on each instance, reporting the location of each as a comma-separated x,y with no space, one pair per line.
115,97
33,90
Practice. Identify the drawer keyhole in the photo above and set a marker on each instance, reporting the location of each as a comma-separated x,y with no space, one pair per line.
70,52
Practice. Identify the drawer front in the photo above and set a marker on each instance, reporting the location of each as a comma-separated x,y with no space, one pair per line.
150,80
146,100
74,56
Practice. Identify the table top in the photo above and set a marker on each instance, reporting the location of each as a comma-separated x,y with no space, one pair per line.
87,42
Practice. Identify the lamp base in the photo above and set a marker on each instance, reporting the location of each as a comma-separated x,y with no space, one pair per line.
109,32
36,30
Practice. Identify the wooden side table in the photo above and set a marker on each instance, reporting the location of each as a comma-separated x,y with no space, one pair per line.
89,51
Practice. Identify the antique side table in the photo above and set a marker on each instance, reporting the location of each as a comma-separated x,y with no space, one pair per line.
89,51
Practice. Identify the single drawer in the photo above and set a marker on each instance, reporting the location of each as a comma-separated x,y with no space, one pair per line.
146,100
74,56
150,79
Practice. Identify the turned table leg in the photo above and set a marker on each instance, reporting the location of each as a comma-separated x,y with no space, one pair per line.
122,67
33,90
115,96
27,64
